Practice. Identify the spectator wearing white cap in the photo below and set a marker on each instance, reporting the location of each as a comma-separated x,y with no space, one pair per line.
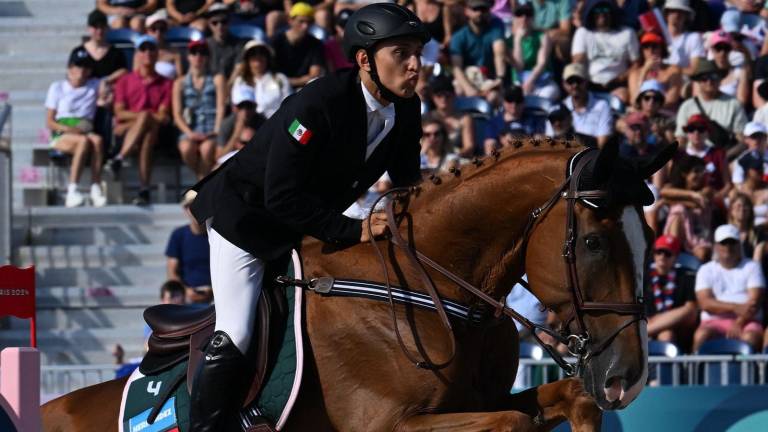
198,109
168,58
243,110
258,70
127,13
591,116
754,139
729,290
686,46
650,101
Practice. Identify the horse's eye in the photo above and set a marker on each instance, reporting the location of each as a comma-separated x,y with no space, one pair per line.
593,243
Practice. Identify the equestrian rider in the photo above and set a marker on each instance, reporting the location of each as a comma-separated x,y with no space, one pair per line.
310,161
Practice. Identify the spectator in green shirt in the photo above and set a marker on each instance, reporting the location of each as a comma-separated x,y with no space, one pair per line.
554,17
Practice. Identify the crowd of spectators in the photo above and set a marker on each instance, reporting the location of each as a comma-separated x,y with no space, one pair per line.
645,73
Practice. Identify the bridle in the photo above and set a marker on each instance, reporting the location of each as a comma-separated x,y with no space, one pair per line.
579,342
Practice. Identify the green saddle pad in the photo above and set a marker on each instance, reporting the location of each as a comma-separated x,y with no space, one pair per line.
143,393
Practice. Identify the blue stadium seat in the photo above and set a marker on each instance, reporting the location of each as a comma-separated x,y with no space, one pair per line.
538,103
474,105
664,371
180,36
245,32
711,373
318,32
121,37
531,351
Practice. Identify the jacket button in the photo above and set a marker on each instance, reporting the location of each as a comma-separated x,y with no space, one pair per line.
354,185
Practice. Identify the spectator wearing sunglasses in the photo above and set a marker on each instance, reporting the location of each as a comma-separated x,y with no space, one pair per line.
718,174
127,13
736,81
607,48
223,48
142,106
591,116
650,102
529,53
686,46
560,126
191,13
670,291
717,106
729,290
554,18
168,58
198,109
437,154
755,140
479,45
653,51
243,112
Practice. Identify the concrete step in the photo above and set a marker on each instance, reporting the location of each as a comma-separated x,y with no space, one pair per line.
50,298
84,319
141,276
93,256
80,346
115,216
96,235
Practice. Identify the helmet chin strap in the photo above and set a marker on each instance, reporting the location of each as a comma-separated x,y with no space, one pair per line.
385,92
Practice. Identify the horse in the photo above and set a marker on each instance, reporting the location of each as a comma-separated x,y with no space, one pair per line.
488,222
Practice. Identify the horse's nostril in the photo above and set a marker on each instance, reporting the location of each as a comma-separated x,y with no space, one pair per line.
613,389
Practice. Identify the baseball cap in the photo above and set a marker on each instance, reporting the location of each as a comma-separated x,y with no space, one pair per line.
159,16
696,120
217,9
302,9
144,39
97,19
199,43
720,37
514,94
726,232
684,5
524,9
651,85
730,21
636,118
558,112
754,127
442,84
256,43
80,57
667,242
574,70
651,38
243,93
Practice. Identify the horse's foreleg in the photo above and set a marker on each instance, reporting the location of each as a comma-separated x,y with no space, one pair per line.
469,422
554,402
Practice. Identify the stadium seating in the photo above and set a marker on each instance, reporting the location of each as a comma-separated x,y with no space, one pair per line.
245,32
663,372
729,373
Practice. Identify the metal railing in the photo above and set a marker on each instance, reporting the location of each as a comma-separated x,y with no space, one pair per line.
689,370
6,181
56,380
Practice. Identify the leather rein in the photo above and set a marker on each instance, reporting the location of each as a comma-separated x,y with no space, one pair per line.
579,343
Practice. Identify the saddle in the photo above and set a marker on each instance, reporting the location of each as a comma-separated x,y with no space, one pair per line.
182,332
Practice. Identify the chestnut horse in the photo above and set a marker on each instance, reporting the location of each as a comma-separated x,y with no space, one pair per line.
358,379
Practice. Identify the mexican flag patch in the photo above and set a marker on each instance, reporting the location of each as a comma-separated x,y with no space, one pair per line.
299,132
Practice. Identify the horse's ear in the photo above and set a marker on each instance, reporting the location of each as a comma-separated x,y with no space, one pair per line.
647,169
606,161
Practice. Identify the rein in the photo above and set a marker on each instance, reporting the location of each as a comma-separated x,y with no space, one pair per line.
578,343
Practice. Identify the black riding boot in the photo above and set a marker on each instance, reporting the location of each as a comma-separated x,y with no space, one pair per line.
219,387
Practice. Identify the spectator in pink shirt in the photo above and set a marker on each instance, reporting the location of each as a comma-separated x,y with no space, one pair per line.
142,106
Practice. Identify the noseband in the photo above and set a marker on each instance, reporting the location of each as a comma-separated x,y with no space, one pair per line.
579,342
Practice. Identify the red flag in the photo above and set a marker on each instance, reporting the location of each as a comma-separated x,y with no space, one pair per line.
17,291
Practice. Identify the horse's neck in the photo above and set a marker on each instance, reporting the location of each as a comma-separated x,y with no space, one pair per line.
471,225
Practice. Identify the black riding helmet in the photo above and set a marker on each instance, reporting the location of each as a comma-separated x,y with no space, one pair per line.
375,23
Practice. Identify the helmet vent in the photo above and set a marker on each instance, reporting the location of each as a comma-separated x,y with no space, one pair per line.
366,29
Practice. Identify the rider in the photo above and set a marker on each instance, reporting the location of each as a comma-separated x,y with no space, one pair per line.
310,161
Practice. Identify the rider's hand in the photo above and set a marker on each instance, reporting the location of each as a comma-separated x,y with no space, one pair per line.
378,226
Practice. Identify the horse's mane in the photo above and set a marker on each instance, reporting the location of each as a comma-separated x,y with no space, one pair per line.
461,172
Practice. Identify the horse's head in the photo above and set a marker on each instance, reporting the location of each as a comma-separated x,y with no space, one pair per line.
610,250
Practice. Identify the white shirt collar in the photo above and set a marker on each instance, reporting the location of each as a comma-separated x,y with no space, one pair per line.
373,105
